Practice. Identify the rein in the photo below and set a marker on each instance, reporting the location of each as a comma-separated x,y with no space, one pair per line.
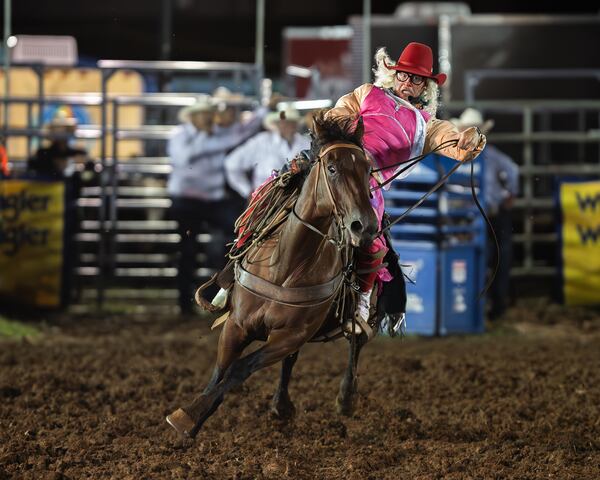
337,244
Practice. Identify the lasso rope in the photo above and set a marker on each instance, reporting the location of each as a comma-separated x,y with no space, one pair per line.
263,217
413,161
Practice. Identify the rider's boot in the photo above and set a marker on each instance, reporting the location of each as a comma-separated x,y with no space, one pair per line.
220,300
218,304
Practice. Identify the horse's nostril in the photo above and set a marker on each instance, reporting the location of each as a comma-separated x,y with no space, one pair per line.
356,226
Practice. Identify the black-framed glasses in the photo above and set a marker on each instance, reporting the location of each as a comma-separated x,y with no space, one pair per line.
414,79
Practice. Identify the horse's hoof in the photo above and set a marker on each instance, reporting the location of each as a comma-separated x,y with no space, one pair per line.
345,408
283,410
181,422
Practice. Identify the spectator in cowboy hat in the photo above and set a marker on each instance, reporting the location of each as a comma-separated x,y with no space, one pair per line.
231,115
249,165
501,186
58,159
199,114
228,106
197,186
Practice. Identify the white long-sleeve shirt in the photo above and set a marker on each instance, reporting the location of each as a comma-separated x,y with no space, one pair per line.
249,165
198,158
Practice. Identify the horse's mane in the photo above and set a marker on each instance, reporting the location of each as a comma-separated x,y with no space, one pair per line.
333,129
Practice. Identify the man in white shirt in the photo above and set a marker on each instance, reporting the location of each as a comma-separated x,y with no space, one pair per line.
249,165
197,184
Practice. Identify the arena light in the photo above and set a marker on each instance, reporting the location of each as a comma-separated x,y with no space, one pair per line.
57,50
306,104
298,71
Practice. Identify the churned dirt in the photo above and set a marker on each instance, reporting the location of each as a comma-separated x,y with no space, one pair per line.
88,399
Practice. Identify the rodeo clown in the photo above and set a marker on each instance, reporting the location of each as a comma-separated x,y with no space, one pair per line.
398,111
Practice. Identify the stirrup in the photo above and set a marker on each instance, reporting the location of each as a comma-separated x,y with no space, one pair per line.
364,308
219,302
360,326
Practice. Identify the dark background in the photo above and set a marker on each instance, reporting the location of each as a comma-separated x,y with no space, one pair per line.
221,30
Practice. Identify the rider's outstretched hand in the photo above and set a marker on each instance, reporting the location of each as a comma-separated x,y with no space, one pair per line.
471,139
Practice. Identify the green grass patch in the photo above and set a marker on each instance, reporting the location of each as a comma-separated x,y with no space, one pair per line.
16,330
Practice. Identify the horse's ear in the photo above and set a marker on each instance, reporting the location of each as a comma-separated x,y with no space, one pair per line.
316,125
360,129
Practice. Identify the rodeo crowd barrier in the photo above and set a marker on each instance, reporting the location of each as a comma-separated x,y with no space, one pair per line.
442,247
125,242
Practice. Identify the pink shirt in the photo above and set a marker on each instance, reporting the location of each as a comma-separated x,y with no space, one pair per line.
394,133
394,130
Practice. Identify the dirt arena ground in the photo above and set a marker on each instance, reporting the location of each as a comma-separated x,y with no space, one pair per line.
88,398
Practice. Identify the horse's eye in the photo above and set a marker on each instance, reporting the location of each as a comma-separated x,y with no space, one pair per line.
331,168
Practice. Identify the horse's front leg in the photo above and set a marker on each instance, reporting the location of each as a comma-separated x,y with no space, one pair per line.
282,407
187,420
279,345
346,400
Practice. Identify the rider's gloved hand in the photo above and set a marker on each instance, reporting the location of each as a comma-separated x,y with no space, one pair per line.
471,139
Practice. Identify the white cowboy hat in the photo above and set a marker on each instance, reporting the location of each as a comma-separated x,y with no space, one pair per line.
223,94
289,113
62,123
472,118
223,98
204,103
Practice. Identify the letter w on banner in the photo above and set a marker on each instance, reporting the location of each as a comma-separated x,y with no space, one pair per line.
31,241
580,242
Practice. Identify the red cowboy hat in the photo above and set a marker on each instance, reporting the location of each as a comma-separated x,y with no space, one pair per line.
417,58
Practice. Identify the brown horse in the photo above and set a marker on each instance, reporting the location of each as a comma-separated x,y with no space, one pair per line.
285,286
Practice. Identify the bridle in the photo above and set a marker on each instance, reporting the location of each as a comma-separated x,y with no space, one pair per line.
340,241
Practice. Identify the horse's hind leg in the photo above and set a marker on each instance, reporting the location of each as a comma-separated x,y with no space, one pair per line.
278,346
346,400
282,407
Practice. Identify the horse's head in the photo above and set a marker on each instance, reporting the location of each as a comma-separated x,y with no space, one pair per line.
343,170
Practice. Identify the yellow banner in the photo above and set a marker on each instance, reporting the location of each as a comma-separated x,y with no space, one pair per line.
580,203
31,241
